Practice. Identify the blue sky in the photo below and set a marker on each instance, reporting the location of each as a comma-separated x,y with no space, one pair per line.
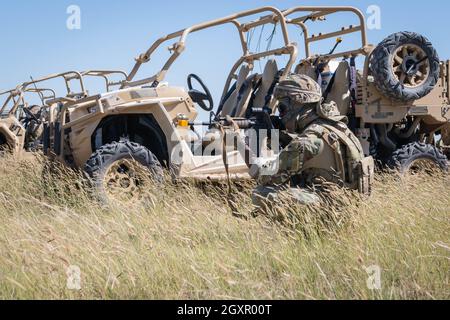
35,40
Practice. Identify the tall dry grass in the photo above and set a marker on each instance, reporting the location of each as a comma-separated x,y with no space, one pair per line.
186,245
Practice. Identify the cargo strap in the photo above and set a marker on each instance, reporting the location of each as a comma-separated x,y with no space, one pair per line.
230,199
253,81
271,91
330,87
353,84
344,137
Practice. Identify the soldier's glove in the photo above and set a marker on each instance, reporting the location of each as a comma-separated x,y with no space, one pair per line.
264,168
255,168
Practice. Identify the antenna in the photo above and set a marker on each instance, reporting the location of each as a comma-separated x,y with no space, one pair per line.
272,34
38,91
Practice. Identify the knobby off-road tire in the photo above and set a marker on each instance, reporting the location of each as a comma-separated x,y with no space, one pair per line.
5,147
414,155
405,66
123,172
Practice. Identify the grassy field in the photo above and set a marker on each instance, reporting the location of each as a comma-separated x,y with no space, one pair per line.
187,245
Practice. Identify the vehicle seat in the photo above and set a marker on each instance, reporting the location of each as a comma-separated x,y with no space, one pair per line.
231,102
245,95
340,90
235,106
213,138
256,87
268,79
307,69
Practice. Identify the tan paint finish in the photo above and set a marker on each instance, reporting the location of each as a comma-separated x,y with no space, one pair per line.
14,133
165,104
373,107
377,109
82,113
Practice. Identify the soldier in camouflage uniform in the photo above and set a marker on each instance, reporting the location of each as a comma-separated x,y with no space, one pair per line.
34,127
320,148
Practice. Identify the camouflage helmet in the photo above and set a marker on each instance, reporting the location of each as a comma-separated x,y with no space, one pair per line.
300,89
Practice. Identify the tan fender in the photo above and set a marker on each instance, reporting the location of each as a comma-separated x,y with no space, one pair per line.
12,140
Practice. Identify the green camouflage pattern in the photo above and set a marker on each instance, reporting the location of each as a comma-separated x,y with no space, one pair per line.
300,89
271,196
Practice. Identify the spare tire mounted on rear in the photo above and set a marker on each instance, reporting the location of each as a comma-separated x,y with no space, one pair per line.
405,66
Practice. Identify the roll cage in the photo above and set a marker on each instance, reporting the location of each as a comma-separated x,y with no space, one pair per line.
301,16
319,14
70,76
17,97
106,75
242,28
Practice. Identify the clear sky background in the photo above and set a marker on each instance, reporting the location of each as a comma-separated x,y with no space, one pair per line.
35,40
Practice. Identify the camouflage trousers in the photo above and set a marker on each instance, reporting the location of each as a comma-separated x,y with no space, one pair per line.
267,197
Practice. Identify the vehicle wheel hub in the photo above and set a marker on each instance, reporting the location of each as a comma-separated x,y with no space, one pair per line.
411,66
124,181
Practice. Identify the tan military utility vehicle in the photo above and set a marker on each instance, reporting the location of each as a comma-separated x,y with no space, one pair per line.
397,104
20,122
398,101
149,124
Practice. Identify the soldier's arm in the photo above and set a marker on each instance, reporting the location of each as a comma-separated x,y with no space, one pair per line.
291,160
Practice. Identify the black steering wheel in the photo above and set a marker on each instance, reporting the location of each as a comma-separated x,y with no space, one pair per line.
200,97
30,114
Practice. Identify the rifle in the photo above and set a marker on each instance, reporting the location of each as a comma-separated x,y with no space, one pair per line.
258,119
